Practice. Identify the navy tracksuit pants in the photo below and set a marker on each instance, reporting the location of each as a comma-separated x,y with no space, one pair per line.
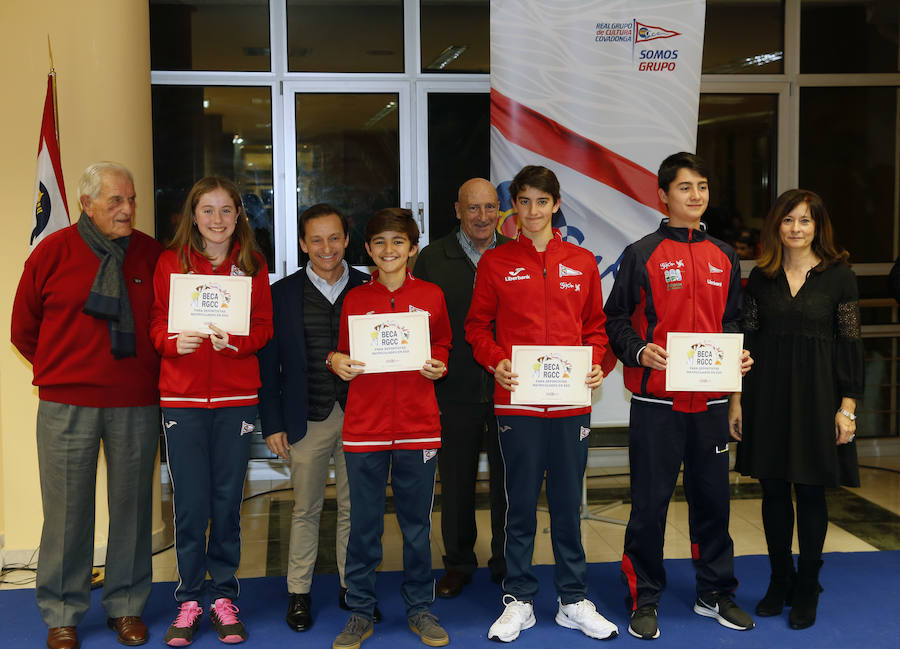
659,440
208,450
532,447
412,482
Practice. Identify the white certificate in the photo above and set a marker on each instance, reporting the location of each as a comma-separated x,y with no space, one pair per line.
195,301
390,342
704,362
551,375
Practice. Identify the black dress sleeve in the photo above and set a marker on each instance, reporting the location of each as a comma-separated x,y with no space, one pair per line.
750,320
849,362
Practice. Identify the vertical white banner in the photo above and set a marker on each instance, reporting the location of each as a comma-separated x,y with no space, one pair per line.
600,92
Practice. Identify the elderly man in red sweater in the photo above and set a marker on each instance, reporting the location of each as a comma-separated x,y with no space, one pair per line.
81,317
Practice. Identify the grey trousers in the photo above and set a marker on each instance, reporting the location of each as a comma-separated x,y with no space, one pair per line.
310,458
68,442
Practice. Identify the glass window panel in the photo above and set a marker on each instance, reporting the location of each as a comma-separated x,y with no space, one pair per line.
874,287
849,36
873,423
345,35
348,155
210,35
744,37
736,136
206,130
459,148
848,139
456,36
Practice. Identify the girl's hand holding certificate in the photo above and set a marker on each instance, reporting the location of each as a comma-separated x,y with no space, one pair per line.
187,342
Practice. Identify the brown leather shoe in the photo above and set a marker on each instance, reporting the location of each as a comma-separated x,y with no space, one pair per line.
451,584
62,637
130,629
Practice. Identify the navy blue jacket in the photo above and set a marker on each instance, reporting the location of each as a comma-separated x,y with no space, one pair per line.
283,397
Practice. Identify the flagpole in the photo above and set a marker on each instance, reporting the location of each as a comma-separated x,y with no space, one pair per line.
53,84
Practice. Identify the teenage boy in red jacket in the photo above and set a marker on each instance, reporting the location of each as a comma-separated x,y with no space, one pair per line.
676,279
391,425
539,289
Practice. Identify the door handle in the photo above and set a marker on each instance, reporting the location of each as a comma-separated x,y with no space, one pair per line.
418,214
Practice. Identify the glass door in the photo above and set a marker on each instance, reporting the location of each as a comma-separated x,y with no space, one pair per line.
453,131
350,149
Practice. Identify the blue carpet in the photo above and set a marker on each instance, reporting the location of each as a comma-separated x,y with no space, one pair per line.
857,609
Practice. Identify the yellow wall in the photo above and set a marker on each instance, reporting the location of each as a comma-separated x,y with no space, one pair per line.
101,51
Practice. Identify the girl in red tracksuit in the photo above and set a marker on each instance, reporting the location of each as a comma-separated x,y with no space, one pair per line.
391,425
208,391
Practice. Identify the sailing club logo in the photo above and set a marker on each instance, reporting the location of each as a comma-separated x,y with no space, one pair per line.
647,52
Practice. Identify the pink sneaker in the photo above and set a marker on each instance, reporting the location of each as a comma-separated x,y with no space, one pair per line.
224,619
181,633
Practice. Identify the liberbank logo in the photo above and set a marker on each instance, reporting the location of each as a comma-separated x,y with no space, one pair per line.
648,57
517,274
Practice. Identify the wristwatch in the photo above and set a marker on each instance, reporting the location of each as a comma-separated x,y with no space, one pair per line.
849,415
328,360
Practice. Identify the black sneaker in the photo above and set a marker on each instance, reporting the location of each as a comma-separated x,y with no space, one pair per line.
721,607
643,623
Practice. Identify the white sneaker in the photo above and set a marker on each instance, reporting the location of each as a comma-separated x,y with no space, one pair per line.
516,617
583,615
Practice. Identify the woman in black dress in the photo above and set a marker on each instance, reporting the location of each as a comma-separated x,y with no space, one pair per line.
798,423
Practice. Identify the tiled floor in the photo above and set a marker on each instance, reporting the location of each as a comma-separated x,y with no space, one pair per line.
602,541
869,520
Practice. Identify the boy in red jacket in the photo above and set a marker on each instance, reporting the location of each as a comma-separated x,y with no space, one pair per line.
540,290
391,426
676,279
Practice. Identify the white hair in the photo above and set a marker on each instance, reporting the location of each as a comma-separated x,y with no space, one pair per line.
91,180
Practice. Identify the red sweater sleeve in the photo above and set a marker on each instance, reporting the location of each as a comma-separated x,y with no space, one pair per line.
159,314
27,312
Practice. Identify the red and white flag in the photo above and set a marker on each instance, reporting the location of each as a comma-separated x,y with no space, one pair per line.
644,33
51,213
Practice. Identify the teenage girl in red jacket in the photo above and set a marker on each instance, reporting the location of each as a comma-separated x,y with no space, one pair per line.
208,391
